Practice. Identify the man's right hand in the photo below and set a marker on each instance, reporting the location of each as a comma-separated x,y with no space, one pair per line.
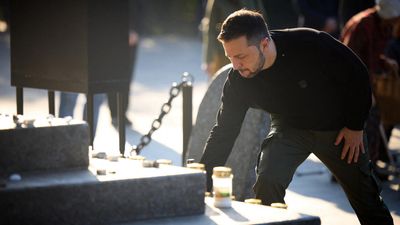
353,144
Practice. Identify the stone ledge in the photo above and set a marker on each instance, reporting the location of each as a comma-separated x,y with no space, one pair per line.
44,148
81,197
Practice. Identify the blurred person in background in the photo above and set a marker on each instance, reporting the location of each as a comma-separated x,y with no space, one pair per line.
135,7
4,15
319,14
280,14
348,9
367,34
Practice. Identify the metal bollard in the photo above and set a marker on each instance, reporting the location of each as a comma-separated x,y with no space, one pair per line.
187,94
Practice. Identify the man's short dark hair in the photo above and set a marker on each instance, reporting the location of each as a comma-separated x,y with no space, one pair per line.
244,22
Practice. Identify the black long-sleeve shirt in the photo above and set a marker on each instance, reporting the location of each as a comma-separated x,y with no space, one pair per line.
315,83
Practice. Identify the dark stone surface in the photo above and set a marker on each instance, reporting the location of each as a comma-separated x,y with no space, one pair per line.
44,148
79,197
247,146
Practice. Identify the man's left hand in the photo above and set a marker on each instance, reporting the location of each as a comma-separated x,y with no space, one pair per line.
353,144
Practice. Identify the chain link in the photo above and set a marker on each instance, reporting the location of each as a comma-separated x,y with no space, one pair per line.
187,79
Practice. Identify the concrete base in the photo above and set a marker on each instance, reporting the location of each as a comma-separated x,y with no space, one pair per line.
44,148
240,213
124,194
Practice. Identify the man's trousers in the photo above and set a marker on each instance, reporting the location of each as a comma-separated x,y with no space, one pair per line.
286,148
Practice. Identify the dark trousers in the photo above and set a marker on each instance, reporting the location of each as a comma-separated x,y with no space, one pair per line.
286,148
112,96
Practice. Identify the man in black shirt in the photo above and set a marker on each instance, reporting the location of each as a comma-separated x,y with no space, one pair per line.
318,95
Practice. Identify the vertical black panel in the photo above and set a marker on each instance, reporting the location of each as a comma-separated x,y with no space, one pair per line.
69,45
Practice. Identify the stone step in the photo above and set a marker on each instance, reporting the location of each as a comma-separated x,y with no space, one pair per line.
50,147
125,193
240,213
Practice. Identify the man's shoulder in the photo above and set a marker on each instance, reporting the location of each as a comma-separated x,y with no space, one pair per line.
294,35
301,38
294,32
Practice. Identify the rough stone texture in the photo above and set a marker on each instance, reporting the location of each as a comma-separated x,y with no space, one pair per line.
80,197
247,146
240,213
44,148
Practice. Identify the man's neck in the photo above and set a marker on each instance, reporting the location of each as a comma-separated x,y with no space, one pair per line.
270,54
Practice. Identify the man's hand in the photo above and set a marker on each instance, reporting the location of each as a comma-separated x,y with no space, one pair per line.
353,144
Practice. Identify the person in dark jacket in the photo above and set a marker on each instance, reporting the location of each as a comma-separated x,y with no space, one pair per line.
367,34
318,95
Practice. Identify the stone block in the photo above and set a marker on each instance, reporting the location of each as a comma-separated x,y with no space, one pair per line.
44,148
247,146
80,197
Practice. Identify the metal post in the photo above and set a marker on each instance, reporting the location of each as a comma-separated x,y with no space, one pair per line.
187,95
89,116
52,107
20,100
121,122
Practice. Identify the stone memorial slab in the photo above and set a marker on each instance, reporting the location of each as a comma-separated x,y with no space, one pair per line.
44,148
127,192
247,146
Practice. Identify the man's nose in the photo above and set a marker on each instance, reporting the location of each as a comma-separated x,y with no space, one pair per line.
236,64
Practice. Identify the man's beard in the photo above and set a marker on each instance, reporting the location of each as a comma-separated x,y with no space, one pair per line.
261,62
260,65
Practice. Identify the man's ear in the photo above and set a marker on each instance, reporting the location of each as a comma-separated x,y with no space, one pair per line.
264,43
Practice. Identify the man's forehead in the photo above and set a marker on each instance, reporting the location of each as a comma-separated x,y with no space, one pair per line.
235,46
242,40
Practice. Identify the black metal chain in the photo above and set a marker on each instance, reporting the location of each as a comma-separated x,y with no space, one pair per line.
165,109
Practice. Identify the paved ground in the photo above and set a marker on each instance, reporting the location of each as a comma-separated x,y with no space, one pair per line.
161,61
